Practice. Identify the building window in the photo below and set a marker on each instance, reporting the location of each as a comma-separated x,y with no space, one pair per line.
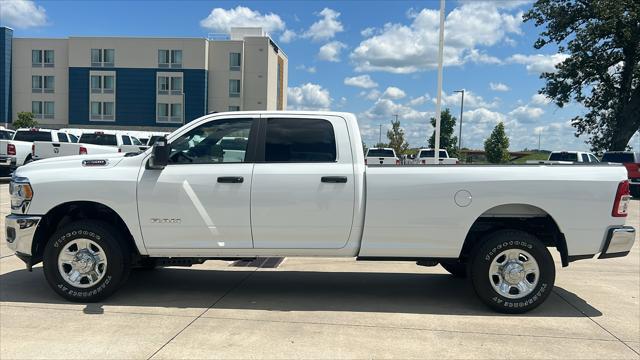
49,110
49,84
36,108
107,110
102,110
107,82
176,112
169,58
234,88
163,84
234,108
163,111
102,84
176,85
103,57
48,58
36,57
234,61
36,83
96,109
96,83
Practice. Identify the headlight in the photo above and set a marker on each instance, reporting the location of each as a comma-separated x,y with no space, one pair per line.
21,194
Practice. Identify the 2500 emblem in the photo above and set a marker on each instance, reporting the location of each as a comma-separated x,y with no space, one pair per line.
165,221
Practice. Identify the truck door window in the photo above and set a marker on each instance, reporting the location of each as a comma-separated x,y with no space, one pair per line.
593,158
126,140
300,140
62,137
218,141
585,158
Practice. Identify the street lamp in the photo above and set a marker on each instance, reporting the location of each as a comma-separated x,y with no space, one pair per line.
461,110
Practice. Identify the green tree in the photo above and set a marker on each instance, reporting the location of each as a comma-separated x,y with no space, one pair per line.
381,145
25,120
396,138
602,70
448,140
496,147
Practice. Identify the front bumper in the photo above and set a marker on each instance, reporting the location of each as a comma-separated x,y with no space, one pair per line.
618,242
20,231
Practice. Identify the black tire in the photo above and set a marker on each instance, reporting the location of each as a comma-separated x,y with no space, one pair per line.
116,253
455,268
490,249
28,160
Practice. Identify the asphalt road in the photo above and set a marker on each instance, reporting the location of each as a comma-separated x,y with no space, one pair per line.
319,308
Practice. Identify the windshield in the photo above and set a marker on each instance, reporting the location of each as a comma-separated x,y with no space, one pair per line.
618,157
429,153
380,153
31,136
563,156
153,139
98,139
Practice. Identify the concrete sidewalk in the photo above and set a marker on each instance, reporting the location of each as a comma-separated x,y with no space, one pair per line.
320,308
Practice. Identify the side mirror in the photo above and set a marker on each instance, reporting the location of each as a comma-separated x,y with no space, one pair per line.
160,157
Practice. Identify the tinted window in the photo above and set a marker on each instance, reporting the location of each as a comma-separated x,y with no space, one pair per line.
221,141
618,157
98,139
5,135
300,140
73,138
126,140
135,141
563,156
62,137
429,153
31,136
593,158
380,153
585,158
153,139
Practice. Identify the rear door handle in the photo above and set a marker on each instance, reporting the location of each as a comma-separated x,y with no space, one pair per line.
334,179
230,179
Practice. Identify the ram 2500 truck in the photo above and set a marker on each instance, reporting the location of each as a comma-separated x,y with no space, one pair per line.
302,189
19,150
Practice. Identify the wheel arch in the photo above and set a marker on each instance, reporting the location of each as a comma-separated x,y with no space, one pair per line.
68,212
520,216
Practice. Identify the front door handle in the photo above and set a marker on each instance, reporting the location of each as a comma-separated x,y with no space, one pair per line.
230,179
334,179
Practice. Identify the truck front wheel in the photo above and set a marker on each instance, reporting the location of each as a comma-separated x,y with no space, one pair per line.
85,262
512,271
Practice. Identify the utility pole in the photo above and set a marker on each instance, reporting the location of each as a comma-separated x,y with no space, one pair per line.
439,98
380,136
461,110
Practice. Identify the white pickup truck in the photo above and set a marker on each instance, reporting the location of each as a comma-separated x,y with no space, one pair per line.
381,156
425,156
302,189
567,157
19,150
93,142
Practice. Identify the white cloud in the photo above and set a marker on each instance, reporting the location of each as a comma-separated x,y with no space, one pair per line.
308,97
331,51
309,69
22,14
539,99
325,28
538,63
498,87
362,81
368,32
222,20
400,48
471,100
526,113
288,36
394,93
419,100
371,95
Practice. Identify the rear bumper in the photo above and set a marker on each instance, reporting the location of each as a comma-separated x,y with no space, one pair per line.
7,162
618,242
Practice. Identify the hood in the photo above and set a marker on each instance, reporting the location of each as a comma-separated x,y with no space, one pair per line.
65,163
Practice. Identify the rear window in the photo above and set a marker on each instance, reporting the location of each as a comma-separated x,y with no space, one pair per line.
429,153
380,153
618,157
563,156
300,140
98,139
31,136
5,135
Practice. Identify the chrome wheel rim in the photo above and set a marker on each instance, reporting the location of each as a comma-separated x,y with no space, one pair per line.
82,263
514,273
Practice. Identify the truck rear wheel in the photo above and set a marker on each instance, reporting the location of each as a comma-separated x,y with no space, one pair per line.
512,271
85,262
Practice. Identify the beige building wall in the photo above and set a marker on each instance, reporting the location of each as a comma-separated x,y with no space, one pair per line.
22,71
219,75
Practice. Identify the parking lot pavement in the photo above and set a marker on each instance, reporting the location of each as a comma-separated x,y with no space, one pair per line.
320,308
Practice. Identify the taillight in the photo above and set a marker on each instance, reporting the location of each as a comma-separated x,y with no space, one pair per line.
365,161
33,149
11,149
397,162
82,151
424,162
119,150
621,202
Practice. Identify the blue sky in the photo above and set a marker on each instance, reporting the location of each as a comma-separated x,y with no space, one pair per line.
373,58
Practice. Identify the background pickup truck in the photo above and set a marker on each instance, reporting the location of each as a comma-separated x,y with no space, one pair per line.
567,157
302,189
381,156
95,142
19,150
425,156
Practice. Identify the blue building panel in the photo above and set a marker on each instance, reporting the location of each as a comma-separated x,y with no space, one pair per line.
136,95
6,39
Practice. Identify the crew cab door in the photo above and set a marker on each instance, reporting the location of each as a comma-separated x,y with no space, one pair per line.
201,199
303,183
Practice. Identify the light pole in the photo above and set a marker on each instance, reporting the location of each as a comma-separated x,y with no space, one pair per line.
461,111
436,159
380,135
